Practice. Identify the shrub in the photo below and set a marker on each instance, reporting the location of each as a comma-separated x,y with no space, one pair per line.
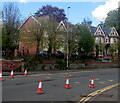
60,64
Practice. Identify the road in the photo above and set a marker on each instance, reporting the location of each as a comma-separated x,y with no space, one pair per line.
23,88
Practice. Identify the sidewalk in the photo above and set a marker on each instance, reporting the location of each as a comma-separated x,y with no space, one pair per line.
54,71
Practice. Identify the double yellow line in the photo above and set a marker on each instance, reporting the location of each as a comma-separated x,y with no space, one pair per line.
83,100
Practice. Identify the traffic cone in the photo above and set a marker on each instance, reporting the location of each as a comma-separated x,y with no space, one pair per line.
39,91
92,83
11,74
67,83
0,75
25,74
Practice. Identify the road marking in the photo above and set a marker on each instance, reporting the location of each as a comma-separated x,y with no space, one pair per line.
63,73
83,100
48,77
85,71
36,74
77,82
96,78
50,74
102,82
110,80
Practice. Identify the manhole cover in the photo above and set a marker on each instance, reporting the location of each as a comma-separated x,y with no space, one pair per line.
83,95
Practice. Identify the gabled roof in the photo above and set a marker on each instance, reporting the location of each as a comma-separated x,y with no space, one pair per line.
63,25
93,29
105,30
113,29
99,28
30,16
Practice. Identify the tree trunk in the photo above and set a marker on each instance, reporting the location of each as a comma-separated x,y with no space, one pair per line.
37,49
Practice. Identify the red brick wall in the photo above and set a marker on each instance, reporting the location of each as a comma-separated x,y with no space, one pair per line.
27,47
32,50
7,65
27,23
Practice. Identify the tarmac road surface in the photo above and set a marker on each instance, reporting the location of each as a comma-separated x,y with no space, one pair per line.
23,88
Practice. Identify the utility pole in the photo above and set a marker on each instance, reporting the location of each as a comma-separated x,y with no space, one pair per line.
67,36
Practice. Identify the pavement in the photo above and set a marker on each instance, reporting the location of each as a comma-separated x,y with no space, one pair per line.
55,71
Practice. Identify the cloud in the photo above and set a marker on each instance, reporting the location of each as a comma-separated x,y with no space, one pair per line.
101,11
22,1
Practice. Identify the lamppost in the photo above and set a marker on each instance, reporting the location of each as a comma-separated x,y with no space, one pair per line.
67,35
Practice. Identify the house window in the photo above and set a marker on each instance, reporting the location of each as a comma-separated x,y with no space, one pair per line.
101,40
96,39
115,40
98,32
106,40
111,40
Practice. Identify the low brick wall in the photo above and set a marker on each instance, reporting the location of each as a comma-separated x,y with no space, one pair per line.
94,65
7,65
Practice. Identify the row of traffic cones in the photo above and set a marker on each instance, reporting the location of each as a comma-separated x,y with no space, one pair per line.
12,75
67,85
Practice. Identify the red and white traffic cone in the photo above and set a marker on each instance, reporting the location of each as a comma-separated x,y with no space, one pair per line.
67,85
11,74
92,83
25,73
0,75
40,91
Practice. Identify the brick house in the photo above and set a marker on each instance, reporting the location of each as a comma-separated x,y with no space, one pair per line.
105,36
27,46
25,49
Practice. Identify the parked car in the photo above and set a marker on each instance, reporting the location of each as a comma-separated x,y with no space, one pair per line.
43,53
105,60
58,54
74,55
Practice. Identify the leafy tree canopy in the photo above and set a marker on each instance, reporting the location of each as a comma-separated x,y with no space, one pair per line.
86,40
55,12
112,19
87,21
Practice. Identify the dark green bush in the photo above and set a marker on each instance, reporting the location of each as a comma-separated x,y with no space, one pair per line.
60,64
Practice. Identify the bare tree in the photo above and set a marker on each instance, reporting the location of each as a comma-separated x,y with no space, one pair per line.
38,30
11,22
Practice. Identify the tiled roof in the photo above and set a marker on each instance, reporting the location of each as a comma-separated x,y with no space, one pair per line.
93,29
106,31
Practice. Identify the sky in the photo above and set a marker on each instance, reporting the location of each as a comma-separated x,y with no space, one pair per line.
95,10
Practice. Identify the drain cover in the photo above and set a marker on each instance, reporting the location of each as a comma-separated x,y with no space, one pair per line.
83,95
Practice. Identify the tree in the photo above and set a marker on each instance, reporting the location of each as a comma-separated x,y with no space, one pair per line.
118,47
101,48
112,19
54,12
72,39
11,22
112,49
87,22
118,24
38,30
52,34
86,40
4,39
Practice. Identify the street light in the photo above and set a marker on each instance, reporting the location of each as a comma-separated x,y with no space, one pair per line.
67,35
